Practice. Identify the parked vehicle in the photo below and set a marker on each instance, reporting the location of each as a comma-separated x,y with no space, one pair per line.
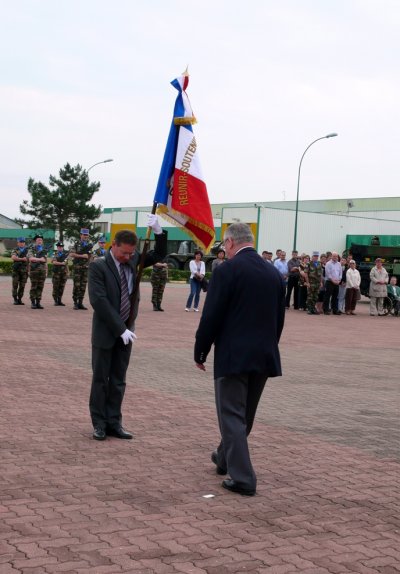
185,253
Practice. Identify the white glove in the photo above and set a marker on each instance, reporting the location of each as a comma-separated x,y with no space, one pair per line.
128,337
152,221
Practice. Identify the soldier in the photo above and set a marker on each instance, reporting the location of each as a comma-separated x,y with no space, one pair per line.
313,281
19,270
158,279
101,250
60,273
37,256
81,255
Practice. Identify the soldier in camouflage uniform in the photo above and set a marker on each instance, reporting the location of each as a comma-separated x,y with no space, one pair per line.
314,279
37,256
81,254
60,274
101,250
19,270
158,279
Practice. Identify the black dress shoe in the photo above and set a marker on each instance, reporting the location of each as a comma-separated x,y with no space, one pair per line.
214,458
231,485
99,434
160,309
119,433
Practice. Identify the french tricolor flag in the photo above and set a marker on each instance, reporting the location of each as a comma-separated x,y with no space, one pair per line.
181,193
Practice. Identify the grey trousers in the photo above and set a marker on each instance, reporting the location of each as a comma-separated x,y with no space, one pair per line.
237,398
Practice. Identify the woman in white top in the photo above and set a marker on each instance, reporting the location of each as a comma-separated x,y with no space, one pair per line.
197,273
353,282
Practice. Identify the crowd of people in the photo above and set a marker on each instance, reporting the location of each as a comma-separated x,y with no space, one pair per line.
329,284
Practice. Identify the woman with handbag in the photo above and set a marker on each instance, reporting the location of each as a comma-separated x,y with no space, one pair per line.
197,273
353,281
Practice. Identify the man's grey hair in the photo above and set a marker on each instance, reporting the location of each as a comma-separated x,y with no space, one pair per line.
239,233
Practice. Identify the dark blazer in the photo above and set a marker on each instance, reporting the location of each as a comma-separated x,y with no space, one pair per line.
105,292
243,316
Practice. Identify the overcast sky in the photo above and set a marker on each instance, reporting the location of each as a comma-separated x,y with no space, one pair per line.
87,80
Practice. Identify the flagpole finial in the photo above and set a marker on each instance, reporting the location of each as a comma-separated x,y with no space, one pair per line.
186,72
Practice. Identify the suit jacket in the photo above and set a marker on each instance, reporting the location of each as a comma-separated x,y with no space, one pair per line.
105,292
243,316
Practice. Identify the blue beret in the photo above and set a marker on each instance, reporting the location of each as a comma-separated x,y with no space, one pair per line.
315,253
102,240
21,239
84,231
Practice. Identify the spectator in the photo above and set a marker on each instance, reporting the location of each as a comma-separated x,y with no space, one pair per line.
219,259
377,288
282,266
278,254
197,273
333,277
293,280
353,282
342,285
393,291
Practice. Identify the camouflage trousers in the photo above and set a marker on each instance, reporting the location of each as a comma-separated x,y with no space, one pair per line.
158,280
19,279
80,281
312,295
37,277
59,280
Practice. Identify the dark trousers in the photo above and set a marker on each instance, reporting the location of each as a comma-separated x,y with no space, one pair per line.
331,296
108,384
351,299
302,296
292,285
236,398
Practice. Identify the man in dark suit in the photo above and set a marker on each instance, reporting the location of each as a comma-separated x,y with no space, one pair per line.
111,282
243,316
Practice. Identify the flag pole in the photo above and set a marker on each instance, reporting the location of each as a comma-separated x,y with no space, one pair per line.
135,292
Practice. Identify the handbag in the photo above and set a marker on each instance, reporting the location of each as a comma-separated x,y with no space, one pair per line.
204,284
358,296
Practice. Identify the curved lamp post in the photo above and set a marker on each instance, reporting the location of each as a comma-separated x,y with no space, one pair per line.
298,185
99,162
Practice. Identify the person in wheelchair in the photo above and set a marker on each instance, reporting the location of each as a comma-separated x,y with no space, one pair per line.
393,291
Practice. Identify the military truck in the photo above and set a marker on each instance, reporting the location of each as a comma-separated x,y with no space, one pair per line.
185,253
365,255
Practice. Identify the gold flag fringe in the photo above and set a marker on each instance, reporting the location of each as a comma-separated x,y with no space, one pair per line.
185,121
163,210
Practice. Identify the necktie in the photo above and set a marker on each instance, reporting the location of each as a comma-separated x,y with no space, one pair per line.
125,302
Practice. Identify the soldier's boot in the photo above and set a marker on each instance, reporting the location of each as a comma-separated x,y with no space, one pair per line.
56,302
159,307
20,302
60,302
81,305
76,307
33,304
38,305
155,307
15,301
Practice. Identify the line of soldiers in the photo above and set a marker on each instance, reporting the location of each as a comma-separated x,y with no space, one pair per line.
32,261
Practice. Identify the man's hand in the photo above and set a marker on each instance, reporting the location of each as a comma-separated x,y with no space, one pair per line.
128,336
152,221
200,366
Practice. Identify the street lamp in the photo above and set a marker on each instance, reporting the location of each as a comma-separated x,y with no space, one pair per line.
298,185
104,161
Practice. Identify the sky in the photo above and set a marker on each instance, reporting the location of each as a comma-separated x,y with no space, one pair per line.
87,80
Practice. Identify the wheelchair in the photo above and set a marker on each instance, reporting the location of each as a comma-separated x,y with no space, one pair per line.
391,306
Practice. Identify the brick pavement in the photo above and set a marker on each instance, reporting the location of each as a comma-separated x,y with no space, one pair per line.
325,447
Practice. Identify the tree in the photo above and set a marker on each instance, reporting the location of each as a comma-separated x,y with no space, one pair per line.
62,206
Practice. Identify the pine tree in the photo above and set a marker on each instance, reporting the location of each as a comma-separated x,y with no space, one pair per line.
64,204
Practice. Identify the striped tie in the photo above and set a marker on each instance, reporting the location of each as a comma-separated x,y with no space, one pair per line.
125,302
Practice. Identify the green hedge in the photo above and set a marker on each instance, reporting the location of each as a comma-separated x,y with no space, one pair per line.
173,274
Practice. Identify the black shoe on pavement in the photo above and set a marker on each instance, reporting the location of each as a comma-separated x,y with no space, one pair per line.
33,304
155,307
119,432
81,306
61,304
38,305
76,307
233,486
20,302
15,301
99,434
159,308
219,469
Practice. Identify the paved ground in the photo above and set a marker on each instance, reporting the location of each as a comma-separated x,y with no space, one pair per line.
325,447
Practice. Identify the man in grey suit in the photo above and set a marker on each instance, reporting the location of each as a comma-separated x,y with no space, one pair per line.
112,279
243,317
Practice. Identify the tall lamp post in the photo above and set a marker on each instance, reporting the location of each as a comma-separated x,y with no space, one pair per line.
298,185
99,162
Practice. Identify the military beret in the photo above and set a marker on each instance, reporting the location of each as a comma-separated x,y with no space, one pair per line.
21,239
84,231
59,244
38,236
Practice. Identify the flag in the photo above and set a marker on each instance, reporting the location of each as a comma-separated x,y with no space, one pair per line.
181,193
